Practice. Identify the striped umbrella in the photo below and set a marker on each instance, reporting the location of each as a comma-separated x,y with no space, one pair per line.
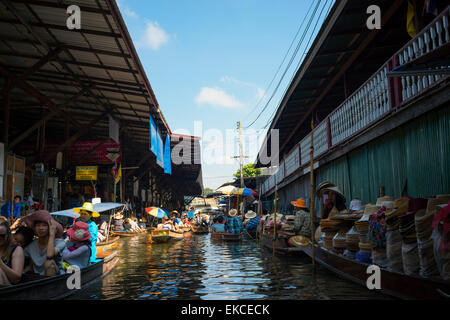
157,212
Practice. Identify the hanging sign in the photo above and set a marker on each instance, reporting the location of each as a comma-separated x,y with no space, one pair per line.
83,173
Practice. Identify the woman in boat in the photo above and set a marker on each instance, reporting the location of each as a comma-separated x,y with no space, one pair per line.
86,213
78,252
165,224
302,221
45,252
12,257
234,223
118,224
102,231
217,225
23,236
126,225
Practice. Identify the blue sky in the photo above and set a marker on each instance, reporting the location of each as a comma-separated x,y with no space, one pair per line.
211,61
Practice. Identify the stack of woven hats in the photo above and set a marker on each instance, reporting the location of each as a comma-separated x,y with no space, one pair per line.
339,240
352,239
362,225
410,253
393,236
330,228
423,223
377,231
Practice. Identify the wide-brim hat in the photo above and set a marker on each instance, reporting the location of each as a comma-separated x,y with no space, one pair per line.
79,231
380,200
356,205
118,216
250,214
335,190
175,212
298,241
299,203
278,216
87,206
232,213
369,209
43,216
324,184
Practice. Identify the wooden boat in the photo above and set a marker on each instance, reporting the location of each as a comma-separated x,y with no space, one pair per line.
225,236
35,287
393,283
127,233
161,236
107,246
281,244
199,230
186,229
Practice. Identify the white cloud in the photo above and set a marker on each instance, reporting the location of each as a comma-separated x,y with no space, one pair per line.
126,10
217,97
154,36
259,91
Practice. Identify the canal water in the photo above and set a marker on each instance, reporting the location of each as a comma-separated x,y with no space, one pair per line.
200,268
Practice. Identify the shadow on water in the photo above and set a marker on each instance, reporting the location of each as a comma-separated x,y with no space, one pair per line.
200,268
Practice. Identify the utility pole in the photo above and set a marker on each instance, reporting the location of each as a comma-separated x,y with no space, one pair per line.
241,156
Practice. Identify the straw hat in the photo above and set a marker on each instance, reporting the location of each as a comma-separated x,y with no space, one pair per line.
299,203
88,207
118,216
79,231
335,190
250,214
324,184
232,213
298,241
278,216
370,208
382,199
175,212
333,212
388,204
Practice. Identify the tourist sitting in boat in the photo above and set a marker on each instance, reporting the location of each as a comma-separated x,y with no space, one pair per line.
217,225
126,225
118,224
270,221
23,236
78,252
12,257
102,231
251,222
302,221
234,223
134,225
86,213
45,252
165,224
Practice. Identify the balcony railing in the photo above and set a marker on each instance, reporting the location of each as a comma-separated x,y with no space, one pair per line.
372,101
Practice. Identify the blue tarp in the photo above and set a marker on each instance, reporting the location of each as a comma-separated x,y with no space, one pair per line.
99,207
190,214
167,158
159,149
153,138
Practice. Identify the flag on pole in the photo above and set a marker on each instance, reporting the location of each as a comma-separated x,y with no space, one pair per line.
410,26
119,174
116,171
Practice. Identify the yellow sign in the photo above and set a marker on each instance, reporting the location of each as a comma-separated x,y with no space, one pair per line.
86,173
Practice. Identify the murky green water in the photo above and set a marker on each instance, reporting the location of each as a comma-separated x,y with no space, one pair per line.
198,268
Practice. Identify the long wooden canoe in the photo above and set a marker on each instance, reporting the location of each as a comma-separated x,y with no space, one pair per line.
199,230
393,283
281,244
107,246
50,288
225,236
161,236
127,233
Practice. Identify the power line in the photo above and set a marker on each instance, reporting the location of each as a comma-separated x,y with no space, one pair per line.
289,64
282,62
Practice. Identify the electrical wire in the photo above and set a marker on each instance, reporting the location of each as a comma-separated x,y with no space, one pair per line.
289,64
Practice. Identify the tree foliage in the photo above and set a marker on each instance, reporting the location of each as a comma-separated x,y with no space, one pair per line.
207,191
249,171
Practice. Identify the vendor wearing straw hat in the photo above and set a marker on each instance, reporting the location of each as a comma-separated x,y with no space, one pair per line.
86,213
302,221
252,221
234,223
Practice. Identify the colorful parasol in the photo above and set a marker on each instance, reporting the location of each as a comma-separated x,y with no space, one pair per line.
227,190
246,192
157,212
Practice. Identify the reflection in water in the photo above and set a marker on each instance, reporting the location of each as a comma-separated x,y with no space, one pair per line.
199,268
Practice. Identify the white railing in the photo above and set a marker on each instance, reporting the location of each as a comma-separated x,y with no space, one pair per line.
371,101
431,38
280,173
364,106
320,142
